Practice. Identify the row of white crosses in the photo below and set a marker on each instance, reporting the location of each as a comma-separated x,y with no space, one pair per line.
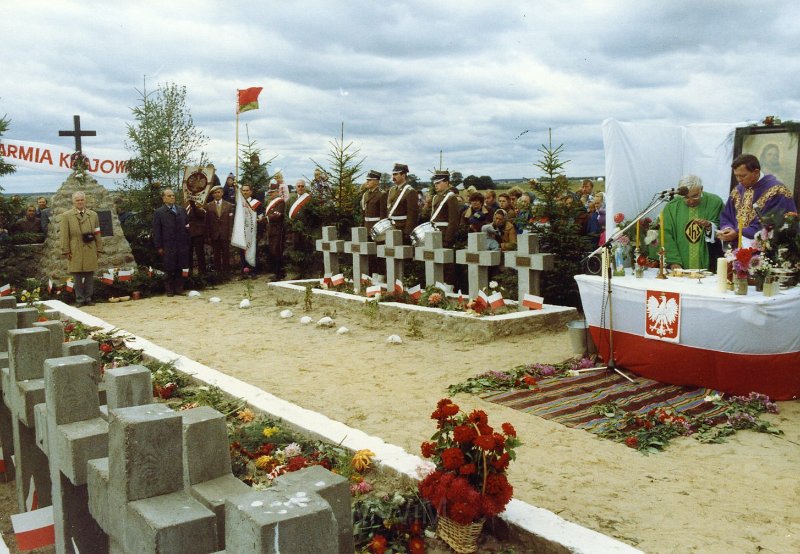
527,259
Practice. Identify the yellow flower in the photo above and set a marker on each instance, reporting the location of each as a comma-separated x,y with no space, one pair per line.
246,415
269,431
262,462
362,460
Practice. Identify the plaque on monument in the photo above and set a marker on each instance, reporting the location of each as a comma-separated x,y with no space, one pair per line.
106,223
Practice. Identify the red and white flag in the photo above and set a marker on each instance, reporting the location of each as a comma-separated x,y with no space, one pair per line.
2,461
415,292
107,278
49,286
97,230
398,286
255,203
327,279
532,302
185,272
337,280
482,301
149,271
365,279
496,300
70,285
460,297
32,500
125,274
374,290
5,290
34,529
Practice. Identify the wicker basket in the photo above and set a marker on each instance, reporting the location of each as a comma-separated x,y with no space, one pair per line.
461,538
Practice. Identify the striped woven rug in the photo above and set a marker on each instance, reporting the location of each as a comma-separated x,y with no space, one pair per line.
570,400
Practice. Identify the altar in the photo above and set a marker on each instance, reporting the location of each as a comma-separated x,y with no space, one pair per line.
735,344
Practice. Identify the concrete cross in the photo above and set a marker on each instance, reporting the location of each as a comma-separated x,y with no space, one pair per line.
395,254
77,133
435,257
361,249
331,247
529,264
478,260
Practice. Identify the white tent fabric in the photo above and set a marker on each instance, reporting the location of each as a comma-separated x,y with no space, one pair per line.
643,159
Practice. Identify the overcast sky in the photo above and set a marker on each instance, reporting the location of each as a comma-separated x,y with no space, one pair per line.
481,81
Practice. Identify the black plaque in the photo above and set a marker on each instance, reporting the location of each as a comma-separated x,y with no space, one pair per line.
106,223
472,258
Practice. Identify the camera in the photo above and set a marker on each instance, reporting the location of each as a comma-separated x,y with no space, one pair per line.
88,237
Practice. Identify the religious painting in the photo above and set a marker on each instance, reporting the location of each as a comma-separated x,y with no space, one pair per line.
197,182
776,148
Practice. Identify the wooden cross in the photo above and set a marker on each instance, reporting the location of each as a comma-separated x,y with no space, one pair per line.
361,249
330,247
395,254
77,132
478,260
529,264
434,256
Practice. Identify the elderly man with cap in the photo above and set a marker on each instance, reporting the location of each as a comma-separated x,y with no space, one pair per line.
219,227
274,213
402,203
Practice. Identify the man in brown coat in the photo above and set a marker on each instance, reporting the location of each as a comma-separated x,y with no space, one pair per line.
275,213
373,203
219,226
402,203
446,214
80,244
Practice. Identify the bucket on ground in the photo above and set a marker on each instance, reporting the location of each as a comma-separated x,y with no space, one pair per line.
581,339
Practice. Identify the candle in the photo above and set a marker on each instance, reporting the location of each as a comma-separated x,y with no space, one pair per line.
637,233
661,226
722,274
741,224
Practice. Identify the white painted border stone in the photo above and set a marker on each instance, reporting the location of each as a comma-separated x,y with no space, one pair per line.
533,520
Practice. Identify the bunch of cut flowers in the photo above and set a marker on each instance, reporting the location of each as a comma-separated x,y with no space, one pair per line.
471,458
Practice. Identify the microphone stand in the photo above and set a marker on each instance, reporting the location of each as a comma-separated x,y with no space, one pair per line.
606,261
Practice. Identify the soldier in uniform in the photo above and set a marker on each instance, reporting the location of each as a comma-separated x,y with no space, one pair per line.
275,213
446,217
402,203
373,204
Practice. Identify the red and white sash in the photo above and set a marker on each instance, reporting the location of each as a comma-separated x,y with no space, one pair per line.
301,201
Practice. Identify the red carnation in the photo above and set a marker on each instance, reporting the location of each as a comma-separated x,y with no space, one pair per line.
633,442
468,469
744,255
619,217
428,449
485,442
464,433
509,430
529,380
416,527
501,463
641,260
378,544
452,458
106,348
463,512
416,545
478,417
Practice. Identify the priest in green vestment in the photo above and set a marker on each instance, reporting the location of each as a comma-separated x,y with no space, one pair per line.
690,226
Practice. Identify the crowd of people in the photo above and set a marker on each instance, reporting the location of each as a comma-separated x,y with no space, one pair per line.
33,221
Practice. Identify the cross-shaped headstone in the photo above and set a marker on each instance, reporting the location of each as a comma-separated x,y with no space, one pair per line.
478,260
434,256
77,133
331,247
529,264
395,253
361,249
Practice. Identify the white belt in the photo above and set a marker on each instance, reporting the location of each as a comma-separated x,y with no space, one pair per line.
440,224
398,217
372,219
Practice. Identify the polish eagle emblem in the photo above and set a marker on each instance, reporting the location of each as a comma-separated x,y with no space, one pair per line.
663,312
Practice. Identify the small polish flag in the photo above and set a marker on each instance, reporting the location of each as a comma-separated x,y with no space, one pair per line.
34,529
496,300
327,279
532,302
2,461
482,301
255,203
32,500
460,297
70,286
49,286
337,280
5,290
125,274
185,272
415,292
398,286
365,279
149,271
373,290
107,278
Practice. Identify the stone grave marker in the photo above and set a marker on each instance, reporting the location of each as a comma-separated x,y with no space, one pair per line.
435,256
529,263
395,253
331,247
361,249
478,260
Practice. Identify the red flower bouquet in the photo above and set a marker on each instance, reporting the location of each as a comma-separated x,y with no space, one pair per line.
469,482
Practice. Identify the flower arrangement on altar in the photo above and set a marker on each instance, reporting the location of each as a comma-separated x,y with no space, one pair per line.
745,261
471,458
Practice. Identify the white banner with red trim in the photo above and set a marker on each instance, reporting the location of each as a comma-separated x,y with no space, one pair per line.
49,157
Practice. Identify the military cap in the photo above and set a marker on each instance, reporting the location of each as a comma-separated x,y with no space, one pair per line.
440,176
374,174
400,168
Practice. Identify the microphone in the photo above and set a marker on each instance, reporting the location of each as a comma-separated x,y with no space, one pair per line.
680,191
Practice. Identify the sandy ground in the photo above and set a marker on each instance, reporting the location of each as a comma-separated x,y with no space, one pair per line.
741,496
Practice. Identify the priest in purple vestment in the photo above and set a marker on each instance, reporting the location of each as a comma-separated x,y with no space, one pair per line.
763,191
